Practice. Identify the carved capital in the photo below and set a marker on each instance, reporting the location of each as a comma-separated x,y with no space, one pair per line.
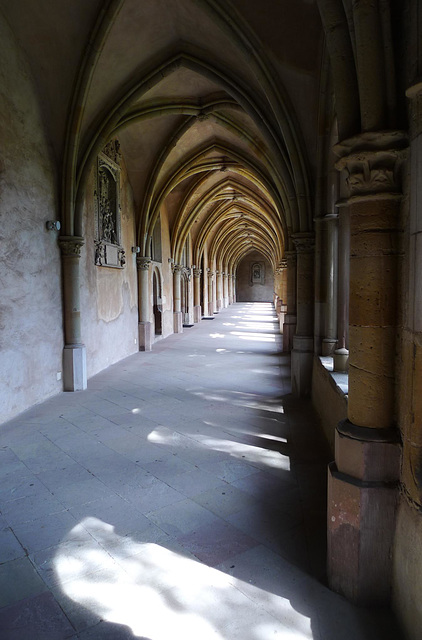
177,268
112,151
143,263
304,242
197,273
210,273
71,246
290,257
121,257
372,162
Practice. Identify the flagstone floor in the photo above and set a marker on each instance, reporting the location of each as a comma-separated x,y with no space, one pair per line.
182,495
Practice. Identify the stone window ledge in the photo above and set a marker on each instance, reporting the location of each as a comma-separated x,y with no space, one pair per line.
341,380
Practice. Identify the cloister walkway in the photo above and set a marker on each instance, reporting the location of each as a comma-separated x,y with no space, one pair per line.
181,496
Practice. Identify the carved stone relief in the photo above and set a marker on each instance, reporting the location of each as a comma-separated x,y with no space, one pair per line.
108,249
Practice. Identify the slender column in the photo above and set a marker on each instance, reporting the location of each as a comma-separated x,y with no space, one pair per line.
206,293
145,331
74,353
289,325
230,277
225,290
303,340
330,271
219,290
234,288
362,492
197,312
177,299
341,354
281,307
211,292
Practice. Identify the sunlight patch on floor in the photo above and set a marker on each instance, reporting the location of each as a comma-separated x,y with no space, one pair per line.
160,594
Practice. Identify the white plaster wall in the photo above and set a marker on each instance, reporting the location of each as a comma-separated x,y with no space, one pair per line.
31,334
109,305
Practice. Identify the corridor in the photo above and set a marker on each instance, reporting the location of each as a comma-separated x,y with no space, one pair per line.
182,495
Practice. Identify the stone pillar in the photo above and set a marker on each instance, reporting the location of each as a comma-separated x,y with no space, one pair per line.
225,290
303,340
362,482
289,325
145,329
230,277
197,312
234,288
329,282
341,354
281,308
74,353
211,292
219,291
177,299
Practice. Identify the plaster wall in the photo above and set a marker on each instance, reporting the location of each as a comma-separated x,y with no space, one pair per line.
109,303
31,332
248,292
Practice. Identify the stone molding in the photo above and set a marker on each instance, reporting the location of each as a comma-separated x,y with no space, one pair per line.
71,246
197,273
143,263
372,162
112,151
304,242
414,93
177,268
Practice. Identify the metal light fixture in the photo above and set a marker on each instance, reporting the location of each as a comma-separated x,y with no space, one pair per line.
53,225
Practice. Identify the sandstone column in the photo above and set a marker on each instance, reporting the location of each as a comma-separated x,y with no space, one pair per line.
230,277
219,290
225,289
177,299
289,326
329,282
74,353
303,340
211,293
341,354
362,491
197,313
281,307
145,330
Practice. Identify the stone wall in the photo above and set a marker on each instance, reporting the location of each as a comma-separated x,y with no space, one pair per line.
109,305
31,331
248,291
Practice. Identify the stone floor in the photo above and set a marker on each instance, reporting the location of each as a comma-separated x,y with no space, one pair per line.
181,496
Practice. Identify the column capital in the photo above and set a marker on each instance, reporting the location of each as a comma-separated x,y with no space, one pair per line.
304,242
290,257
143,263
71,246
197,273
372,161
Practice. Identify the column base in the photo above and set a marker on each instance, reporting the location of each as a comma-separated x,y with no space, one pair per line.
362,501
74,368
225,303
230,300
197,314
289,328
341,360
301,365
145,334
328,346
177,322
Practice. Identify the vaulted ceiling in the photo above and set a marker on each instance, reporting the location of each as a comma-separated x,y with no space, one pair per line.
214,102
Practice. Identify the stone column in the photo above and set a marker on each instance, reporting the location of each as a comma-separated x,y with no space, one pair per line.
329,282
74,353
362,491
289,325
206,292
226,289
211,293
303,340
341,354
145,330
230,277
234,288
219,290
281,307
177,299
197,312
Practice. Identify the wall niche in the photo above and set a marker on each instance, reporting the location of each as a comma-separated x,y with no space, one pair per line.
109,251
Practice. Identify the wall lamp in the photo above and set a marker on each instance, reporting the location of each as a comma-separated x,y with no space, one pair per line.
53,225
136,249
